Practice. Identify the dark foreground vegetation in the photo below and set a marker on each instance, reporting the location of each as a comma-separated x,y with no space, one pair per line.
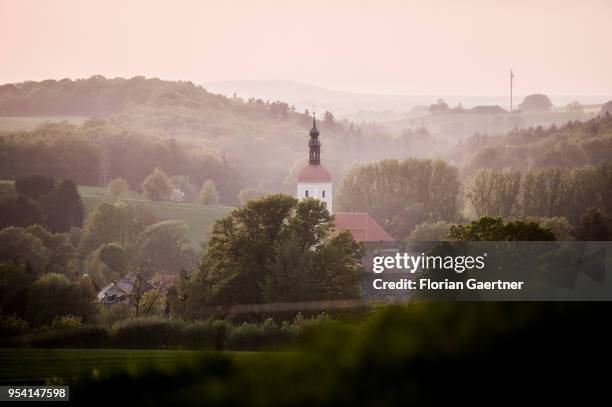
427,353
158,333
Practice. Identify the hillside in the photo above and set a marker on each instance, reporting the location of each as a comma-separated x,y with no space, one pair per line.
178,126
199,218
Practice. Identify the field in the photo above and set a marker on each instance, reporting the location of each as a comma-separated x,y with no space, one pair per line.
22,365
29,123
199,218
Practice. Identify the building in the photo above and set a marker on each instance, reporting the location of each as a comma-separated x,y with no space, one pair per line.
314,181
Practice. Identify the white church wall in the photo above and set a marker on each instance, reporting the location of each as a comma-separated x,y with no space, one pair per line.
315,190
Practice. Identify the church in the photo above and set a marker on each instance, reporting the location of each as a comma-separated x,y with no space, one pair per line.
314,181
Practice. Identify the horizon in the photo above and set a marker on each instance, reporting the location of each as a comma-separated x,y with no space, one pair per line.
557,48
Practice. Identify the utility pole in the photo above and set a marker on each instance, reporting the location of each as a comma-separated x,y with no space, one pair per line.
511,81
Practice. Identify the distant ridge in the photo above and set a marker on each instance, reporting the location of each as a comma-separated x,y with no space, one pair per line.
304,95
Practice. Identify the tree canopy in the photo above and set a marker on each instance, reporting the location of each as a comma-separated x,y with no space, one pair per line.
278,249
495,229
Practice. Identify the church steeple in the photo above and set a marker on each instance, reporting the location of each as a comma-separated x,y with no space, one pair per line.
314,145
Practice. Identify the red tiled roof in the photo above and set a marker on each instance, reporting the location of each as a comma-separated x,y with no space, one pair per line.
314,173
362,226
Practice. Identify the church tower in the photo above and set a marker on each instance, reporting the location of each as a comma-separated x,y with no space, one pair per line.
314,180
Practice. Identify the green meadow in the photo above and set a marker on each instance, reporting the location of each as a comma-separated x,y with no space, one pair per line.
199,218
55,366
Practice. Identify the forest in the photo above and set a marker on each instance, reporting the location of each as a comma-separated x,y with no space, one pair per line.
531,183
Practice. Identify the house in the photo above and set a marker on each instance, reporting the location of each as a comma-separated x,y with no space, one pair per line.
122,290
117,292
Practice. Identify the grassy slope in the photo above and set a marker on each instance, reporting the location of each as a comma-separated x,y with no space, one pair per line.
199,218
22,365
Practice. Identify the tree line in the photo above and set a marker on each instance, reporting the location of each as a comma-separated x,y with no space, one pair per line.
426,196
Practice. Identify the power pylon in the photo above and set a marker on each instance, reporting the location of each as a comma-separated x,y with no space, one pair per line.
105,168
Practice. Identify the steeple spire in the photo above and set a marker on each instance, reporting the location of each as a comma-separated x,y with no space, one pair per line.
314,145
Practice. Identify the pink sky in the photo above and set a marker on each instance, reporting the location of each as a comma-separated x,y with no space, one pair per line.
407,47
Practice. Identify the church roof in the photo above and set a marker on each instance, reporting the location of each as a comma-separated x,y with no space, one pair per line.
362,226
314,173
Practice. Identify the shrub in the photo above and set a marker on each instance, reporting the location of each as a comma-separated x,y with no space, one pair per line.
246,336
12,325
209,334
66,321
108,315
85,336
148,333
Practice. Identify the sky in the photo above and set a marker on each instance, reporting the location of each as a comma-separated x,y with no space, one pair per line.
383,46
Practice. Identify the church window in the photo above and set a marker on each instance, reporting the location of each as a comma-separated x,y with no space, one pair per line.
323,194
306,193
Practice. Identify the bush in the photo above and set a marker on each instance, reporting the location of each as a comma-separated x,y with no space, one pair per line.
252,336
66,321
108,315
209,334
148,333
246,336
85,336
12,325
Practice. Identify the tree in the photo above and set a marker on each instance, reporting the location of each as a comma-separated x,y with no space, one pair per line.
153,302
254,251
114,256
535,103
546,192
35,186
290,273
54,295
18,245
61,253
439,107
157,185
443,191
117,187
14,284
594,225
559,225
20,211
107,223
494,229
494,192
414,191
63,208
208,194
430,232
165,248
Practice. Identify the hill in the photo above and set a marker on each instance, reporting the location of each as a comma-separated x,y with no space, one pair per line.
178,126
199,218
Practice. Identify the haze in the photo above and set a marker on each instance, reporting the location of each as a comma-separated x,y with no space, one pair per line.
392,47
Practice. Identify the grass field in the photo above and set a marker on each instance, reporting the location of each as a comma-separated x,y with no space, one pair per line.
199,218
29,123
24,365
